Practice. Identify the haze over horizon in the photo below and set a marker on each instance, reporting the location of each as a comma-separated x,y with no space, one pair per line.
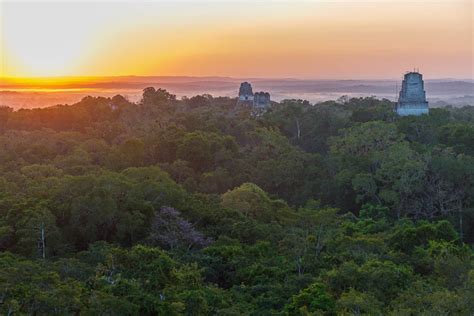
239,39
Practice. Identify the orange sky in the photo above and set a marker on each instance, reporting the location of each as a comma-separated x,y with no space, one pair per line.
301,39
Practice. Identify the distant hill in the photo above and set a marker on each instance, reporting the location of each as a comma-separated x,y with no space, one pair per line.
39,93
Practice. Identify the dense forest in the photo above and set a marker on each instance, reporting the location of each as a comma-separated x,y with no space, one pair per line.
199,206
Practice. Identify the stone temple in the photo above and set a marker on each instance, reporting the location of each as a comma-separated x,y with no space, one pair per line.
245,92
412,98
259,100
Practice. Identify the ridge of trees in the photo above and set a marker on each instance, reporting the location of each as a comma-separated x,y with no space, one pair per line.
199,207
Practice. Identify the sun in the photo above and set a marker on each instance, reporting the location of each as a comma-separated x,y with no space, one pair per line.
40,43
43,58
48,50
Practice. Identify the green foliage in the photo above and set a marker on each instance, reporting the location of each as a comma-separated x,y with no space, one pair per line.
254,203
311,301
198,207
354,302
407,235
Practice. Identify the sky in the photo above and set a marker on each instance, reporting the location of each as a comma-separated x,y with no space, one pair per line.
326,39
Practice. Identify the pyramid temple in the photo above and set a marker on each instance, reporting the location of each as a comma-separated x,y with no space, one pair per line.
412,98
245,92
259,100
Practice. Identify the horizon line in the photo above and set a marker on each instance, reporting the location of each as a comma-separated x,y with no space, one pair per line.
85,77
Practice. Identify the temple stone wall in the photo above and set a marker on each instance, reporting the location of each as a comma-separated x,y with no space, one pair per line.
258,100
412,98
261,99
245,92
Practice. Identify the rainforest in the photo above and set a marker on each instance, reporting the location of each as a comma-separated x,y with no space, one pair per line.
199,206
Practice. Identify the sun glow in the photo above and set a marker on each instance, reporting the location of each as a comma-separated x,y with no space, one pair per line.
307,39
47,40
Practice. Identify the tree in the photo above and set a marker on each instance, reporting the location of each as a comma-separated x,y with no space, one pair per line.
281,168
407,235
312,300
109,207
196,149
169,230
31,288
129,154
5,113
156,97
459,136
254,203
314,229
199,101
37,233
365,143
358,303
400,177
